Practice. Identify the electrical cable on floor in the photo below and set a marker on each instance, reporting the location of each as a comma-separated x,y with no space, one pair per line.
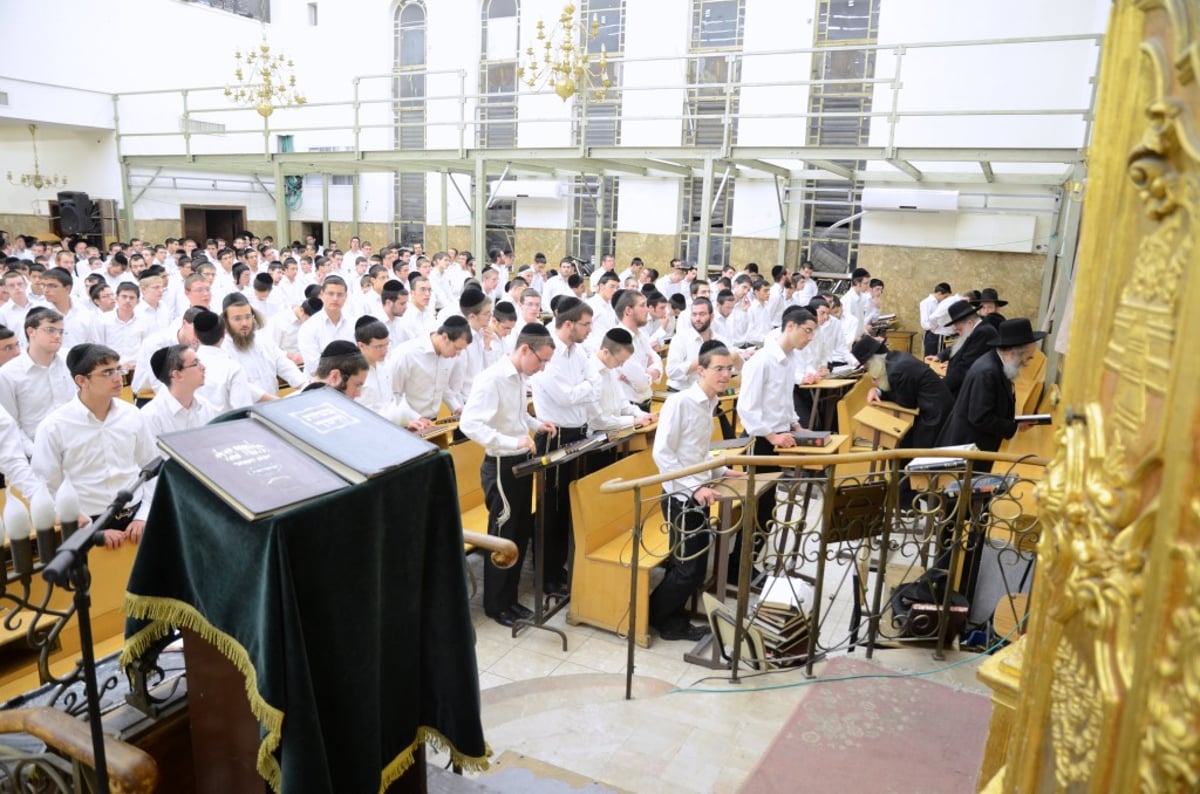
986,652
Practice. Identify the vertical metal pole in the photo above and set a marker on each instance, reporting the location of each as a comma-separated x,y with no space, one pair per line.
599,226
631,639
324,208
281,208
126,192
354,232
781,188
479,211
705,213
446,212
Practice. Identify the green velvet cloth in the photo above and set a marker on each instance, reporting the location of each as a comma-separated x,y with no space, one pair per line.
348,616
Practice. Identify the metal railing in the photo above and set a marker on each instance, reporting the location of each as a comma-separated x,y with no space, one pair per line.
369,105
861,525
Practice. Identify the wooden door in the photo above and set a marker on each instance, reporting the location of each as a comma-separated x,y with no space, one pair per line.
1109,695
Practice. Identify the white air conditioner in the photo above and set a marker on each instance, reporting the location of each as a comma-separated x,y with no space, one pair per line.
531,189
887,199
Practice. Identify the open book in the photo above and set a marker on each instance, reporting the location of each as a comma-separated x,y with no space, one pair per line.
259,468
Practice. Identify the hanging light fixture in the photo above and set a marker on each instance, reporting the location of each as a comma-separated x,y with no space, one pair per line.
559,61
264,80
36,180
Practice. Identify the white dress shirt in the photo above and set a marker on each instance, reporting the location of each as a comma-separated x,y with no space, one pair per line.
495,414
14,463
682,439
318,332
284,330
100,458
642,370
165,414
421,378
610,410
225,383
764,400
264,364
123,336
685,351
379,395
29,392
78,326
564,391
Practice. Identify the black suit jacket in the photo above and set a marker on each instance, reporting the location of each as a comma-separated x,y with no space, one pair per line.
913,384
977,344
984,411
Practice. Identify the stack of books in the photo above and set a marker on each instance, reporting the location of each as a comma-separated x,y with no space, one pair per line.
781,618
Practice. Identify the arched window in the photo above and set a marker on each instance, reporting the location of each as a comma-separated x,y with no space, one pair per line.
408,95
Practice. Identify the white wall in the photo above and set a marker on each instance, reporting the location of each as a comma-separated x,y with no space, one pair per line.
191,46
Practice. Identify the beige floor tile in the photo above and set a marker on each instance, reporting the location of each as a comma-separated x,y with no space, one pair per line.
520,664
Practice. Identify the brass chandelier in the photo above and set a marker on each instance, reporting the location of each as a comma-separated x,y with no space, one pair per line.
562,63
264,80
36,180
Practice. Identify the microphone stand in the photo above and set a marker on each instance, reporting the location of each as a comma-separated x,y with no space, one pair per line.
70,563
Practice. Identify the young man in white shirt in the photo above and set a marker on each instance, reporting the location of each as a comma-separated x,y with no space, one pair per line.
326,325
935,332
422,370
284,327
496,417
37,381
377,391
612,411
562,396
644,367
97,440
122,329
175,407
682,440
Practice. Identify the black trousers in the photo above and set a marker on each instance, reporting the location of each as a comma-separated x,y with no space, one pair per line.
933,343
763,515
495,475
691,541
802,401
557,509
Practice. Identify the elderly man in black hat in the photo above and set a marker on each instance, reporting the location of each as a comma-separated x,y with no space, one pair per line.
984,413
989,302
975,338
906,381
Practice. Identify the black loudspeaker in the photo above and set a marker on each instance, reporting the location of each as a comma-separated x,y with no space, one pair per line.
75,213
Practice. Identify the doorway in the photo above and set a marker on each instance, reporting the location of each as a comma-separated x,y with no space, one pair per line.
200,223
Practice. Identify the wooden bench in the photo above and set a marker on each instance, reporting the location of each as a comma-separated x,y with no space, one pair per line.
603,529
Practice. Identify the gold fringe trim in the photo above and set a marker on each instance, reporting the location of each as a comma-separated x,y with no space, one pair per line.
166,613
435,739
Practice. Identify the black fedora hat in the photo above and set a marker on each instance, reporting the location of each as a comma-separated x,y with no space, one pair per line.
866,347
961,310
1017,332
989,295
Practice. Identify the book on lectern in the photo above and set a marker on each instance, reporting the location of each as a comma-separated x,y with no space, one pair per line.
301,449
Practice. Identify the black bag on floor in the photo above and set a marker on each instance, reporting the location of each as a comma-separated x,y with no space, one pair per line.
917,605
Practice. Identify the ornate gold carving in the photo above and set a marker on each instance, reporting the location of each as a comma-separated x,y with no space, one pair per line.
1170,757
1075,722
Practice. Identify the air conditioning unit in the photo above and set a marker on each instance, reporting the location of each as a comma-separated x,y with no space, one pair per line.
887,199
546,189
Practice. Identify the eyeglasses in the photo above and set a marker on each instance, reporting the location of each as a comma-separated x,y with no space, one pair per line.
808,329
725,370
195,363
53,331
106,373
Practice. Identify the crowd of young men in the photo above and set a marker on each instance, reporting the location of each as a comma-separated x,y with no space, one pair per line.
197,331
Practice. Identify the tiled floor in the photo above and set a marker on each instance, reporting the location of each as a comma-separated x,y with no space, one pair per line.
686,729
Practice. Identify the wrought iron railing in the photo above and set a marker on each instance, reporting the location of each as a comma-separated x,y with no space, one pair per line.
899,545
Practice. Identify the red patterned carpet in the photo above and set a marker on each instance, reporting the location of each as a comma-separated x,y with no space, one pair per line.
877,735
